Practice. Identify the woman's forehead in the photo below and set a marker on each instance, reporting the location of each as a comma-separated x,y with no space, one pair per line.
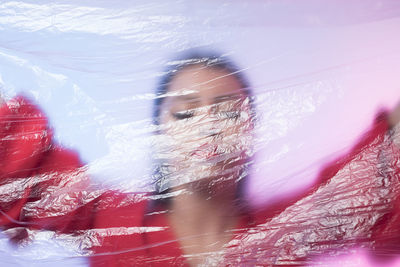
197,82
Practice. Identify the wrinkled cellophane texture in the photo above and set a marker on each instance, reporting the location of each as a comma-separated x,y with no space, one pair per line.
199,133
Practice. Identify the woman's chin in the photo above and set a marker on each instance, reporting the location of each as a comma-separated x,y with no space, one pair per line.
212,185
216,175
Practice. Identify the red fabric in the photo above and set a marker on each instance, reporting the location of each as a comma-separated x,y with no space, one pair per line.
354,203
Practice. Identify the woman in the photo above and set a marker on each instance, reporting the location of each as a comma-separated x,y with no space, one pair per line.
205,118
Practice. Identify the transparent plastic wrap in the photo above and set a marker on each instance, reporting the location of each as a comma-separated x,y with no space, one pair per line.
212,133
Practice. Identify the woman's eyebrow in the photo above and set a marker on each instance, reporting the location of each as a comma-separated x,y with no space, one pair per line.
188,98
222,98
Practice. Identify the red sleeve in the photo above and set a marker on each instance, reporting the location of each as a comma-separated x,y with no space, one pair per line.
369,141
368,144
34,171
44,186
354,203
24,138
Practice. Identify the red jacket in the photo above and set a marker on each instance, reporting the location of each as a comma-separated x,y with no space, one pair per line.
43,186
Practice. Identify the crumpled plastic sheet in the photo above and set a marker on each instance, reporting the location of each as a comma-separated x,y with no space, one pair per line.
241,133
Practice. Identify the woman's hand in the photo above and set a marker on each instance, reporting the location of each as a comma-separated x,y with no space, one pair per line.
394,116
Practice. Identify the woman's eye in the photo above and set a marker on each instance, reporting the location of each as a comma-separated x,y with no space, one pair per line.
233,115
182,115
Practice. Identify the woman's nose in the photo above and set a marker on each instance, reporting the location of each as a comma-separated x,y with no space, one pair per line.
211,126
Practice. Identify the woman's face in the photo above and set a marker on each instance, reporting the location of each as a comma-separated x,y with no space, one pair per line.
206,128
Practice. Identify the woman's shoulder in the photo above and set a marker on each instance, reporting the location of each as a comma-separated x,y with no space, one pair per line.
124,228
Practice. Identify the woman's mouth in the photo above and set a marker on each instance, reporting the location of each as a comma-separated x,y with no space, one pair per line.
206,151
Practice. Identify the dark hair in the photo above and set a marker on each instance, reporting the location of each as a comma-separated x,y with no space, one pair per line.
208,59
